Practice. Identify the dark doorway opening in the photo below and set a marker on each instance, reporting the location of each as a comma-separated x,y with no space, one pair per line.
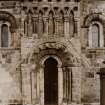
50,82
102,86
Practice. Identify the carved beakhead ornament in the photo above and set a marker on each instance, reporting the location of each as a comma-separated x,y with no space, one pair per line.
53,45
5,16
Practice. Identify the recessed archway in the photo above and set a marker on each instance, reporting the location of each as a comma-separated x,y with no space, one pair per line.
45,65
50,82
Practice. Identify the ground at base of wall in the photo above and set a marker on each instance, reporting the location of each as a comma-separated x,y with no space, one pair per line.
67,104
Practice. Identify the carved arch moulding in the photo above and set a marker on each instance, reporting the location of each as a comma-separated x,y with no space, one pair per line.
5,16
97,18
54,49
46,9
93,17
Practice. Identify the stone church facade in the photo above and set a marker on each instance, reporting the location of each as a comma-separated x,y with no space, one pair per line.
51,52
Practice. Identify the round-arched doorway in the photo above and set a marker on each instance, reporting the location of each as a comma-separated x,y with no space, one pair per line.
50,82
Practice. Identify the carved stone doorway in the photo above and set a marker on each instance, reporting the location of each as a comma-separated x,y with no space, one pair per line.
103,89
50,82
102,86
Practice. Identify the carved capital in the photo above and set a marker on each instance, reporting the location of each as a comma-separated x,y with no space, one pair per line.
66,18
